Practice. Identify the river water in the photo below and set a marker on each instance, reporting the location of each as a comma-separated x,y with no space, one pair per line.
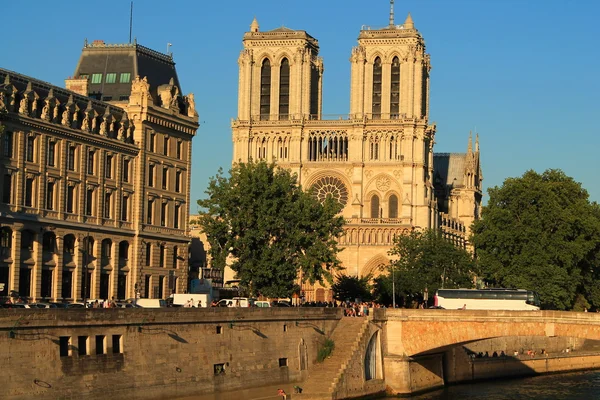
577,385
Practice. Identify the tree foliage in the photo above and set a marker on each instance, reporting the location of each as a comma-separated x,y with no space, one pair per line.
352,287
425,259
271,230
540,232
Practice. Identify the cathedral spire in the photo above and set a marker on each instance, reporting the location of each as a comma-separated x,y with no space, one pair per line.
408,23
470,146
254,25
391,13
477,143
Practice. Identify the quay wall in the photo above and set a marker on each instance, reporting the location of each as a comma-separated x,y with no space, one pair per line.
156,353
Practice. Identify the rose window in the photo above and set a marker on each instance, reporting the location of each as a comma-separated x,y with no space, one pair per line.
330,186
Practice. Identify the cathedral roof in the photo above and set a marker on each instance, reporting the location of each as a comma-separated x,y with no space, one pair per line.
449,169
283,29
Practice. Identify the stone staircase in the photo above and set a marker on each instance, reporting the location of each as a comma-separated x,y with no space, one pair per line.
323,377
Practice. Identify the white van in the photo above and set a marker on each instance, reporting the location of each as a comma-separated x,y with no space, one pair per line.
262,304
151,303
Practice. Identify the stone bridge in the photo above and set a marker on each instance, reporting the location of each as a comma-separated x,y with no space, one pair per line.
417,332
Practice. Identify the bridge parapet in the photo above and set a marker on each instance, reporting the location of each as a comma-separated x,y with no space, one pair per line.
413,332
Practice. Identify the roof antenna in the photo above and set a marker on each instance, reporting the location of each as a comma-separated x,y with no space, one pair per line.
391,12
169,48
130,21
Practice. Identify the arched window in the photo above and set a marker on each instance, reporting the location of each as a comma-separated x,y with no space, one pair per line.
393,206
265,90
375,206
377,76
284,89
395,89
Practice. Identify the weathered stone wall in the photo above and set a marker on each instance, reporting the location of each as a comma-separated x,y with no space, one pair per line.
154,353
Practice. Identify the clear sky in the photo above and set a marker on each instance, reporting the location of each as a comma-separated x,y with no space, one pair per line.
523,73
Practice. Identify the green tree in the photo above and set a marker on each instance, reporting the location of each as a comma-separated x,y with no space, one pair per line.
540,232
426,259
352,287
272,230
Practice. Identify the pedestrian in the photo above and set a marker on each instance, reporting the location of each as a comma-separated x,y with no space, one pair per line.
199,303
282,394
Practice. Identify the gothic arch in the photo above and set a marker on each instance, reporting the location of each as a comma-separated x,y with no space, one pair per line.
394,186
373,267
377,53
280,56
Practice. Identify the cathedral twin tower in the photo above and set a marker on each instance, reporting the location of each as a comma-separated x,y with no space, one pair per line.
378,161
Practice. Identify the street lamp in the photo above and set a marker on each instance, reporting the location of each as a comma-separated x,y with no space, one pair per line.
393,288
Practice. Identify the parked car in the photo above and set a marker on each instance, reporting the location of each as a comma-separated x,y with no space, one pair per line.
126,305
75,305
262,304
59,305
42,305
280,304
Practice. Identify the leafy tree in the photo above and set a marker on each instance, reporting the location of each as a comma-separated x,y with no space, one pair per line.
270,229
352,287
540,232
426,259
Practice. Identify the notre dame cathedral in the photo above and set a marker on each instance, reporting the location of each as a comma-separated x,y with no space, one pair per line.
378,161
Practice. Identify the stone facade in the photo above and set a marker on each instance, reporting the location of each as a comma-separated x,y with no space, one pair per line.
94,188
378,161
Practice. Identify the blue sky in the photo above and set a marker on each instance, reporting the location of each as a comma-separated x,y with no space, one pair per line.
523,73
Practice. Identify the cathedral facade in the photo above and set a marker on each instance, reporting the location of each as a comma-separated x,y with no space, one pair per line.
378,161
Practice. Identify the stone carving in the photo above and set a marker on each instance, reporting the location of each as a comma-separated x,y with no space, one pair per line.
191,112
2,101
383,183
46,111
85,123
121,132
23,106
75,122
34,107
55,112
103,127
398,173
94,123
368,173
349,171
65,117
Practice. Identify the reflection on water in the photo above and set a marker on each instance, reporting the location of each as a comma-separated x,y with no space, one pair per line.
578,385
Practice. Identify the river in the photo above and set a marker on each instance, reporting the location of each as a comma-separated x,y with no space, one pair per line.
576,385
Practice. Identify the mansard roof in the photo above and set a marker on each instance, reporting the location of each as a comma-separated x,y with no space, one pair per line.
102,58
44,90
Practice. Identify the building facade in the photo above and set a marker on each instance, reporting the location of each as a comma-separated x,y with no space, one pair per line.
378,162
96,179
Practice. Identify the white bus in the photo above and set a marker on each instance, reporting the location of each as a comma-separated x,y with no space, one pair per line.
487,299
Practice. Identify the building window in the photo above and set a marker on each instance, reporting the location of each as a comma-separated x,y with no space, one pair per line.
175,257
29,192
166,146
30,148
89,202
149,212
6,189
100,339
107,204
70,198
124,98
393,207
148,255
116,341
106,98
64,346
125,170
8,144
176,216
377,75
163,214
162,250
283,362
265,90
375,206
178,181
284,89
51,153
125,77
395,89
151,140
165,174
50,196
125,208
96,78
110,77
151,175
90,163
179,145
108,167
71,159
